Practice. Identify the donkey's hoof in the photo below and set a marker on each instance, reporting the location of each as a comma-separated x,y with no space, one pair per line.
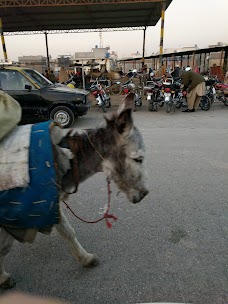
94,261
8,284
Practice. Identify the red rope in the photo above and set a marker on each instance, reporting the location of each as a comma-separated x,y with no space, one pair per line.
106,215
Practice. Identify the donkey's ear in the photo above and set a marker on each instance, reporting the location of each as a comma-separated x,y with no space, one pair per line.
127,103
124,121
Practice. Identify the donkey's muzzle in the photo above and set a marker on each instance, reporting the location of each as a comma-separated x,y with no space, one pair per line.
137,198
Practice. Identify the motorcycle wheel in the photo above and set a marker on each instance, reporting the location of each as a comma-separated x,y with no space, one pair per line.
108,104
179,104
225,101
205,103
168,107
161,103
138,103
115,89
152,106
103,108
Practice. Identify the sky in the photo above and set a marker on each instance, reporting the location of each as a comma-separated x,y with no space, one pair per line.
187,22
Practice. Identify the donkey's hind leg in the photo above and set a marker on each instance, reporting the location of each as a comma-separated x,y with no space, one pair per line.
67,233
6,242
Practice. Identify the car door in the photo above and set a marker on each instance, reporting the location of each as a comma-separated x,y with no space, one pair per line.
23,90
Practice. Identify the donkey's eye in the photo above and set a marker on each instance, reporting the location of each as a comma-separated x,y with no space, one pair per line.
138,160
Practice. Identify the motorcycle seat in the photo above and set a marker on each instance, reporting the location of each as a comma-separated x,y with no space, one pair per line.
157,78
176,78
127,82
148,88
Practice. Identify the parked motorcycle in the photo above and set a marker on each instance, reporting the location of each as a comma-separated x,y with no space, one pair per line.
168,95
220,89
178,94
210,96
101,95
153,93
128,87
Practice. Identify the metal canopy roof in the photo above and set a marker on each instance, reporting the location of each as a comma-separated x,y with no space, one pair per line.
54,16
208,50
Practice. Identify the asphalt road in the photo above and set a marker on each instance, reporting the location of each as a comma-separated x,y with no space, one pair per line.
171,247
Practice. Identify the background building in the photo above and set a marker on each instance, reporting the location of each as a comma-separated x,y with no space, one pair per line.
37,62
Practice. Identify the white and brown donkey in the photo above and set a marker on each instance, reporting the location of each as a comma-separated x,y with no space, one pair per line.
116,149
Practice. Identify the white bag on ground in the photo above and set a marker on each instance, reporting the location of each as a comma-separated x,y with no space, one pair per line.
10,113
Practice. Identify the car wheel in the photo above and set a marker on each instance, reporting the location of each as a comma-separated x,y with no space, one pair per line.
62,115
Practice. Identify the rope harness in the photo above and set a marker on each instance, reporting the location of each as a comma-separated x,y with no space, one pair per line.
106,216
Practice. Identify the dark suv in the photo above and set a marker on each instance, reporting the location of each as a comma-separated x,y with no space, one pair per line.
42,100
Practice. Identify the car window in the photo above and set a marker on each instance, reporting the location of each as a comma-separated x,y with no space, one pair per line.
13,80
38,78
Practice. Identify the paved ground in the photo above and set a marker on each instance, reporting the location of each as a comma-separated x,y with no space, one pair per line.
172,247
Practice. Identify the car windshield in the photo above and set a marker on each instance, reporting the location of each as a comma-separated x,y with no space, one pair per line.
38,78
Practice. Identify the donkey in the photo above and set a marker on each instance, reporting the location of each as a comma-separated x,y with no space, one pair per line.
117,149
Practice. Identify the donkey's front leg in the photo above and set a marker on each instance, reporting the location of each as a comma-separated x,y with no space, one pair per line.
6,242
68,234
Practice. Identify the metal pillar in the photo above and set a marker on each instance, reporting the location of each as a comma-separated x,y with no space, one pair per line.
221,58
83,75
208,62
173,62
3,41
48,61
163,6
143,54
204,62
193,60
225,61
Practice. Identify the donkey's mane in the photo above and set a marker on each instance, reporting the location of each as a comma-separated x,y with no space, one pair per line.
98,136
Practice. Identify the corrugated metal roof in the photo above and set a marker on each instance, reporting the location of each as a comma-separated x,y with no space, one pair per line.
80,15
208,50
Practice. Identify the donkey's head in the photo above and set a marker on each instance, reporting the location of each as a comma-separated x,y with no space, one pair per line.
125,163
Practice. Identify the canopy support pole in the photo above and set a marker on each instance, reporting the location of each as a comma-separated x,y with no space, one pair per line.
163,6
83,75
143,54
225,62
3,41
48,61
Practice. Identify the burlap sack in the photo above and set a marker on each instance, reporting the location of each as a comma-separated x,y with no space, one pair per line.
63,75
10,113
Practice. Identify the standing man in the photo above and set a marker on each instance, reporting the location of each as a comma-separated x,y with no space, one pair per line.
194,83
52,77
46,74
176,72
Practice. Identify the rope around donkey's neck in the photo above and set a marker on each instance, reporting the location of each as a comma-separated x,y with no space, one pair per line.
106,215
